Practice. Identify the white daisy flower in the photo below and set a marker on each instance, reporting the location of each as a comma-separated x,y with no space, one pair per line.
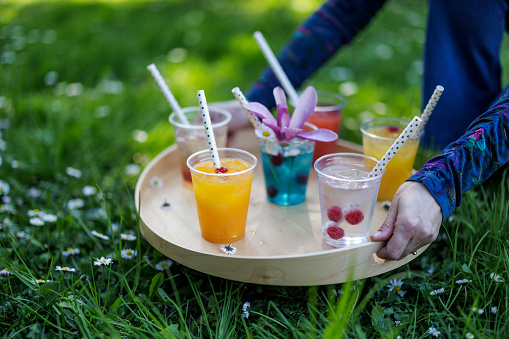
439,291
265,131
433,331
132,169
5,271
89,190
100,235
21,234
34,192
163,264
496,277
75,204
469,335
7,222
35,213
246,308
48,217
70,251
115,228
463,281
395,286
128,253
480,311
156,182
73,172
36,221
6,208
65,269
4,188
494,309
102,261
228,249
41,281
14,164
128,237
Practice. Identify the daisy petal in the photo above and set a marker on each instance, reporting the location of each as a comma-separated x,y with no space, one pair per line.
272,124
283,116
305,107
321,134
259,110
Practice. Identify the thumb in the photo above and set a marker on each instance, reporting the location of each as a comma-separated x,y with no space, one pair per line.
385,231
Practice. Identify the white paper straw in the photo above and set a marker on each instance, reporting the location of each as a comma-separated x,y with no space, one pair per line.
428,110
242,101
396,146
276,67
202,101
167,93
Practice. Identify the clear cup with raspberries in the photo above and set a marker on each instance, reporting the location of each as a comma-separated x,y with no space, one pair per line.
347,197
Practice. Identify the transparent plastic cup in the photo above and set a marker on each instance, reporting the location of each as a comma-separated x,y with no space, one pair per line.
347,197
191,138
222,200
378,135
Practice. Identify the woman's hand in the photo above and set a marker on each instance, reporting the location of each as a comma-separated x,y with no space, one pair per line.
413,221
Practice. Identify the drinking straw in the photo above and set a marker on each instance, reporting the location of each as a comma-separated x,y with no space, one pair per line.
167,93
276,67
396,146
242,101
208,129
428,110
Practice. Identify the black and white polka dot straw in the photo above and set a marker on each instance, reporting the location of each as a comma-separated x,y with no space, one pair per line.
396,146
204,110
428,110
242,101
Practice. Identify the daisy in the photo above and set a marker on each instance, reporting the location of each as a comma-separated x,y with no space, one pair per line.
163,264
463,281
34,192
469,335
89,190
75,204
433,331
480,311
5,272
496,277
73,172
439,291
14,164
102,261
36,221
6,208
494,309
21,234
48,217
128,253
65,269
156,182
4,188
41,281
35,213
246,308
132,169
395,286
100,235
70,251
228,249
128,237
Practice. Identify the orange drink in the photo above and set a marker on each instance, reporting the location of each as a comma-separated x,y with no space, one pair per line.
222,199
378,135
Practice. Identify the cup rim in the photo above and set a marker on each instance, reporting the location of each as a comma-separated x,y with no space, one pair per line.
174,122
327,108
374,136
192,169
367,179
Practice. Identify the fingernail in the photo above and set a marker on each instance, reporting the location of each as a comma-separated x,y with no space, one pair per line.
377,234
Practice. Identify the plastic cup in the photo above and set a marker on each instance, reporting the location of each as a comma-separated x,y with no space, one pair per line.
191,138
328,114
286,166
222,200
378,135
347,197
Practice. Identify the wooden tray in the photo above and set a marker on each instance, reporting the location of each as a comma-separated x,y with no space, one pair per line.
282,246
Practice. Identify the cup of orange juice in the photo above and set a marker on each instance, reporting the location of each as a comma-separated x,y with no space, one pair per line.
222,199
378,135
328,114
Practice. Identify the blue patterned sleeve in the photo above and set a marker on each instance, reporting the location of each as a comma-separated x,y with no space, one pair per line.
470,160
335,24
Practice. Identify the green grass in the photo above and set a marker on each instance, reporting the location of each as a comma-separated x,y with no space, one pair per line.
75,91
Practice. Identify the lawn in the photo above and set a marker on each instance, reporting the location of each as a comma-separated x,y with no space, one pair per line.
80,117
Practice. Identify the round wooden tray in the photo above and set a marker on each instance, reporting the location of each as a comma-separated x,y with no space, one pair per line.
282,245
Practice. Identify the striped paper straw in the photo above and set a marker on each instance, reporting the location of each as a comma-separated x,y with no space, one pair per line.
428,110
276,67
242,101
396,146
167,93
208,129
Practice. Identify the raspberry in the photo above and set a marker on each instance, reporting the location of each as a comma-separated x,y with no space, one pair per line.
277,160
271,191
221,170
302,178
334,213
392,129
354,217
335,232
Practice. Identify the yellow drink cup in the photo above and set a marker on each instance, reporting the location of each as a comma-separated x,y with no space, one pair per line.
222,200
377,137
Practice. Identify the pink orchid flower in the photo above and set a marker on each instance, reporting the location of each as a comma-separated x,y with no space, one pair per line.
286,128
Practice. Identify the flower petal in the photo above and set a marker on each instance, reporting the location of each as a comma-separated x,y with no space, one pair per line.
283,116
305,107
272,124
259,110
290,133
320,134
